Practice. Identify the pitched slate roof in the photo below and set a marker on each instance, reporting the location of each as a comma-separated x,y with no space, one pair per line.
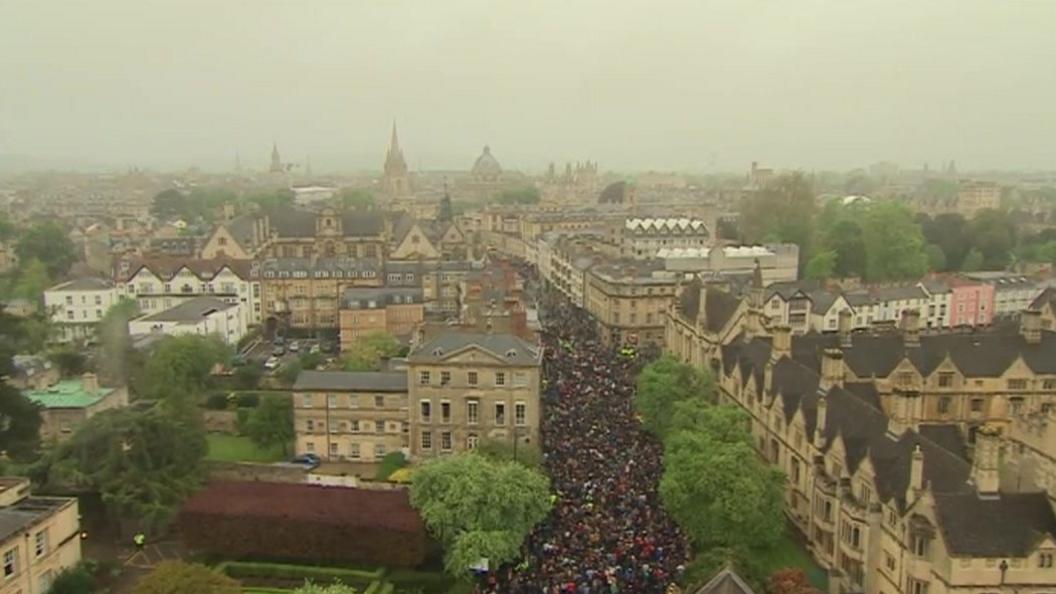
1046,296
976,354
351,381
83,284
948,436
503,346
719,306
1009,525
295,222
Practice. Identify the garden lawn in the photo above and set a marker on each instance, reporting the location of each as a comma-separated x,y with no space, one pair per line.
235,448
790,553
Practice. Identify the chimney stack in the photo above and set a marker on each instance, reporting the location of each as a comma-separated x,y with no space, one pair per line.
89,382
985,461
916,475
781,344
911,327
846,323
1030,325
831,370
822,420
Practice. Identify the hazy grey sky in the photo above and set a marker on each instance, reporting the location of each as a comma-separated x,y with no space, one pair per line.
634,84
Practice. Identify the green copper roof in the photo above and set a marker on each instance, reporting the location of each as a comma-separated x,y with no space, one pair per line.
67,394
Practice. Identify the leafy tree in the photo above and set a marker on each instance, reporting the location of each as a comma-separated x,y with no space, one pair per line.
822,265
478,508
500,450
721,493
973,261
840,230
936,257
356,198
170,204
273,200
115,343
367,353
31,280
390,463
70,362
523,195
177,577
178,370
48,242
939,190
271,422
783,210
724,424
7,228
143,463
894,244
247,377
790,581
78,579
662,384
289,372
20,429
993,234
949,232
311,360
334,588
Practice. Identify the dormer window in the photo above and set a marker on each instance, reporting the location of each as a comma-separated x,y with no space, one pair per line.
511,353
437,352
1045,560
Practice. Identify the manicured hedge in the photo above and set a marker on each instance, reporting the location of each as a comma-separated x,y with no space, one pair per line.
259,520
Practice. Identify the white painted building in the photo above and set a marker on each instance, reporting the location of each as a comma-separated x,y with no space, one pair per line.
200,316
777,262
940,307
77,306
644,238
158,285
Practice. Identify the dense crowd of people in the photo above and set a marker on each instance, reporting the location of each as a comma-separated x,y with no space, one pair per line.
608,532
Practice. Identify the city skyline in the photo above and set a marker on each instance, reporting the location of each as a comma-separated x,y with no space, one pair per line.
691,88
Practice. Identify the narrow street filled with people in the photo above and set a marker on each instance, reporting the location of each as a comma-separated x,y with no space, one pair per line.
607,532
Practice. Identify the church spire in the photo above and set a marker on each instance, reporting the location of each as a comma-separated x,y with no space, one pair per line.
276,162
394,144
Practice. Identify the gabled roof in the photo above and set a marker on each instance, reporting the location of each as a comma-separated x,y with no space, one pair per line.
505,347
83,284
725,582
1046,296
190,311
1009,525
165,268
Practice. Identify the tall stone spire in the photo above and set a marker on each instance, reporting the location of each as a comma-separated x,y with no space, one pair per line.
395,181
276,162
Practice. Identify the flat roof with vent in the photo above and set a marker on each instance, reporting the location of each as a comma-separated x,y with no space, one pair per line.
67,394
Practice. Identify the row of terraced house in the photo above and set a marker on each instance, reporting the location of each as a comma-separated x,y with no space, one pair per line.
918,460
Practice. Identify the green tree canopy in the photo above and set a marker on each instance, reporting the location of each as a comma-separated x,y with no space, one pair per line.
31,280
894,244
479,508
950,233
169,204
114,340
783,210
356,198
144,463
271,422
822,265
179,367
993,234
973,261
368,353
721,493
20,430
936,258
177,577
48,243
522,195
665,382
78,579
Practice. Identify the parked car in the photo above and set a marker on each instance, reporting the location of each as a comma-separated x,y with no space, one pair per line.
309,460
278,351
294,346
272,363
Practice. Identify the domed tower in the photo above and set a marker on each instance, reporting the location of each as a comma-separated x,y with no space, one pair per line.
486,168
395,180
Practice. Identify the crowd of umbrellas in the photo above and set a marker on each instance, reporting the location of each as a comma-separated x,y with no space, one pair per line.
607,532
